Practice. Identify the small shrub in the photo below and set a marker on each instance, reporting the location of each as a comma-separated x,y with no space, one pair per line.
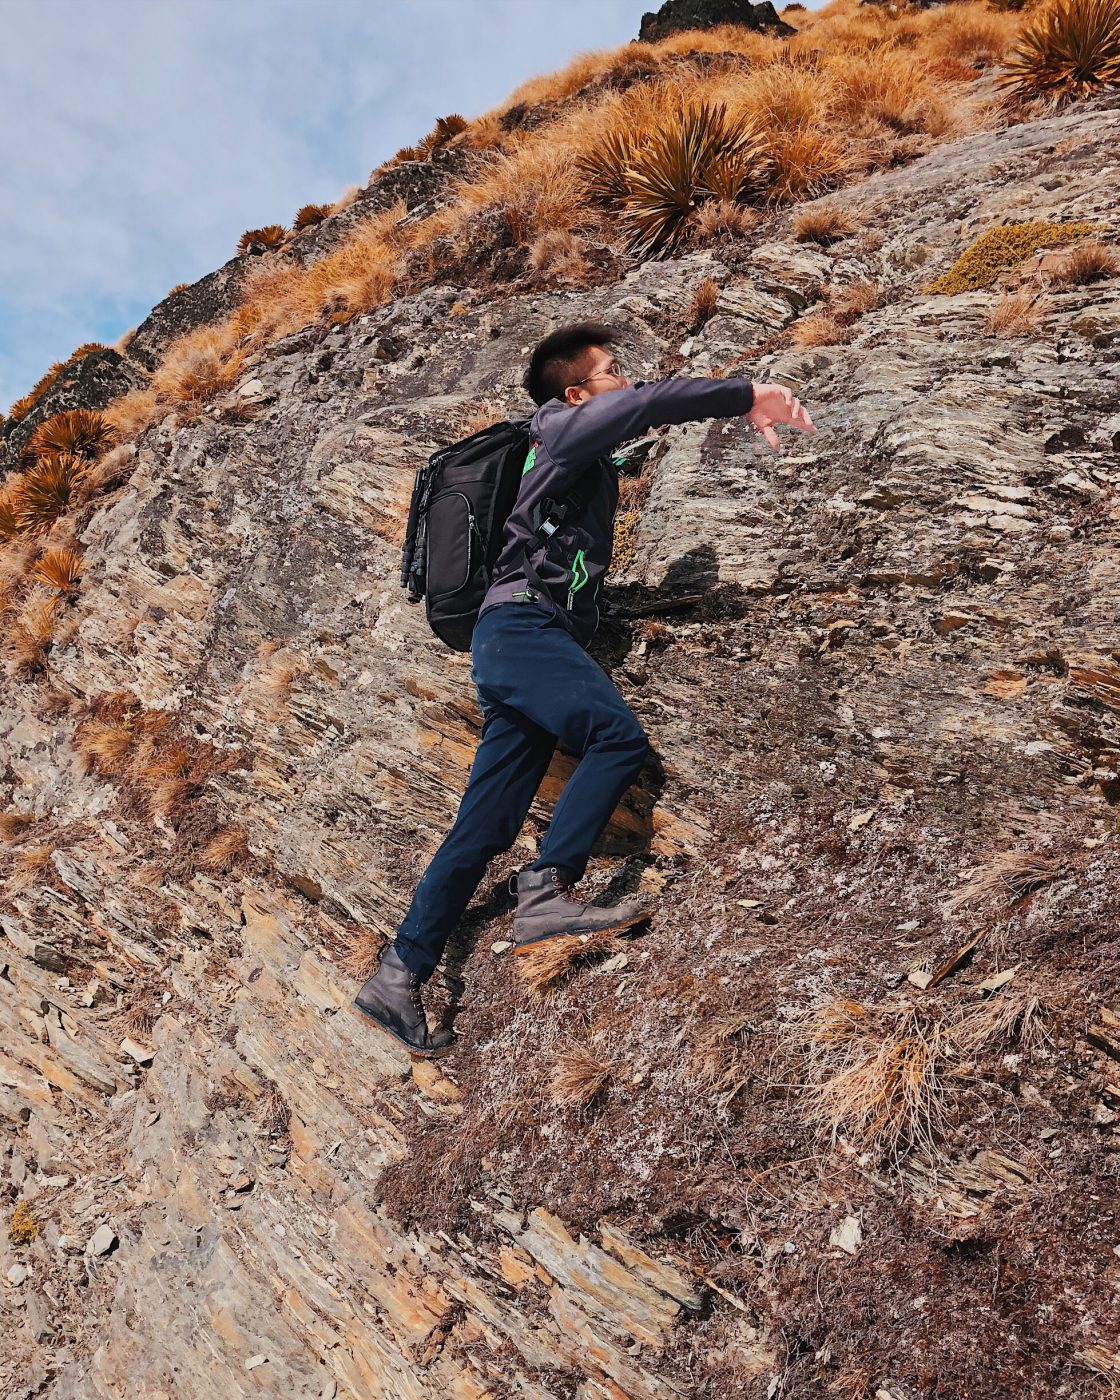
78,432
23,1227
1017,314
823,224
309,215
271,236
1069,52
1089,262
1000,248
47,491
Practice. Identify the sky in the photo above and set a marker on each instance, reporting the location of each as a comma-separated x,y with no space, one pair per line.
139,138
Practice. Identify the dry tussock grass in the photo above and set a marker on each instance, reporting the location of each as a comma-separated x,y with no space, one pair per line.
224,850
823,223
1020,1014
1088,262
702,307
579,1075
29,638
876,1074
821,328
1008,878
60,569
1017,313
30,867
558,255
544,966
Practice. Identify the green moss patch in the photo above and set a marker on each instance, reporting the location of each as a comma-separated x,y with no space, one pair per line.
1001,248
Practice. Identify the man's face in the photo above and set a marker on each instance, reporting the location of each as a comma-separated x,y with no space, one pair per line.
600,375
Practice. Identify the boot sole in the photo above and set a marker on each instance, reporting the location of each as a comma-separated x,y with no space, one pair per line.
530,944
369,1019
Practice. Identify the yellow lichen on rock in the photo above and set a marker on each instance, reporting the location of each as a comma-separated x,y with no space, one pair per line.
1001,248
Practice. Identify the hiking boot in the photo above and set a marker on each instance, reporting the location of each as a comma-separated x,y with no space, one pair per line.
548,907
390,1000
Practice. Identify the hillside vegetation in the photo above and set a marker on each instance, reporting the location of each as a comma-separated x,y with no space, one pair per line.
844,1122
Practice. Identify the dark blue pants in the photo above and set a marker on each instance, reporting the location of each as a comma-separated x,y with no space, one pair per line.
535,684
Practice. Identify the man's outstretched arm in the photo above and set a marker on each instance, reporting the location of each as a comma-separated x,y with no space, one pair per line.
574,435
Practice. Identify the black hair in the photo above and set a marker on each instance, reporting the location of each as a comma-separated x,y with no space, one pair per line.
553,365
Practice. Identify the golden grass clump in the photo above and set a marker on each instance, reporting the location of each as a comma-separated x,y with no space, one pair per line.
1009,877
875,1075
30,636
822,223
59,569
702,307
223,851
1070,51
1088,262
30,867
77,432
805,163
308,215
558,254
1016,314
547,963
1017,1015
200,365
15,825
270,236
579,1076
821,328
1001,248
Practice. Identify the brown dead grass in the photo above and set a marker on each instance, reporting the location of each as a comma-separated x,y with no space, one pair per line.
60,569
30,636
579,1075
1008,878
823,223
545,966
702,306
15,826
1016,313
821,328
224,850
1091,261
875,1076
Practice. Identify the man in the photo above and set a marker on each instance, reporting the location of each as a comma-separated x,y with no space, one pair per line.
535,680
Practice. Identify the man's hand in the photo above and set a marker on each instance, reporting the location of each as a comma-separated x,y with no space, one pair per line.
775,404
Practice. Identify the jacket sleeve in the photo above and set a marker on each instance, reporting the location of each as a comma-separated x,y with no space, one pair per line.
574,435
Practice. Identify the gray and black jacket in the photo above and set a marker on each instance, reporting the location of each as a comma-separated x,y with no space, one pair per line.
566,440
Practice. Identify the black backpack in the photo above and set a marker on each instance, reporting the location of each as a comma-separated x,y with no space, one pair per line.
460,503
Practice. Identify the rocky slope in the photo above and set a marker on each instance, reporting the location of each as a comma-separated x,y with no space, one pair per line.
891,723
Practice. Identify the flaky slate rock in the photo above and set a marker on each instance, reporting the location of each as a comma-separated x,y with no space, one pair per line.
677,15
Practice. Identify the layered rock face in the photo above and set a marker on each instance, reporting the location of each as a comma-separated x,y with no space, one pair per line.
889,724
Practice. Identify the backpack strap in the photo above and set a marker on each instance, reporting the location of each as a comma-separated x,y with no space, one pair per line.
552,514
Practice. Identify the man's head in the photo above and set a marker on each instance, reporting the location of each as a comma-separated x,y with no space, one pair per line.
574,363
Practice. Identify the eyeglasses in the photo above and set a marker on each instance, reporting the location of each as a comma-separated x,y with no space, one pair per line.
614,373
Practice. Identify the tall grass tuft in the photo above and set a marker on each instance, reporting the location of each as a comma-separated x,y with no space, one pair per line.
59,569
1069,52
